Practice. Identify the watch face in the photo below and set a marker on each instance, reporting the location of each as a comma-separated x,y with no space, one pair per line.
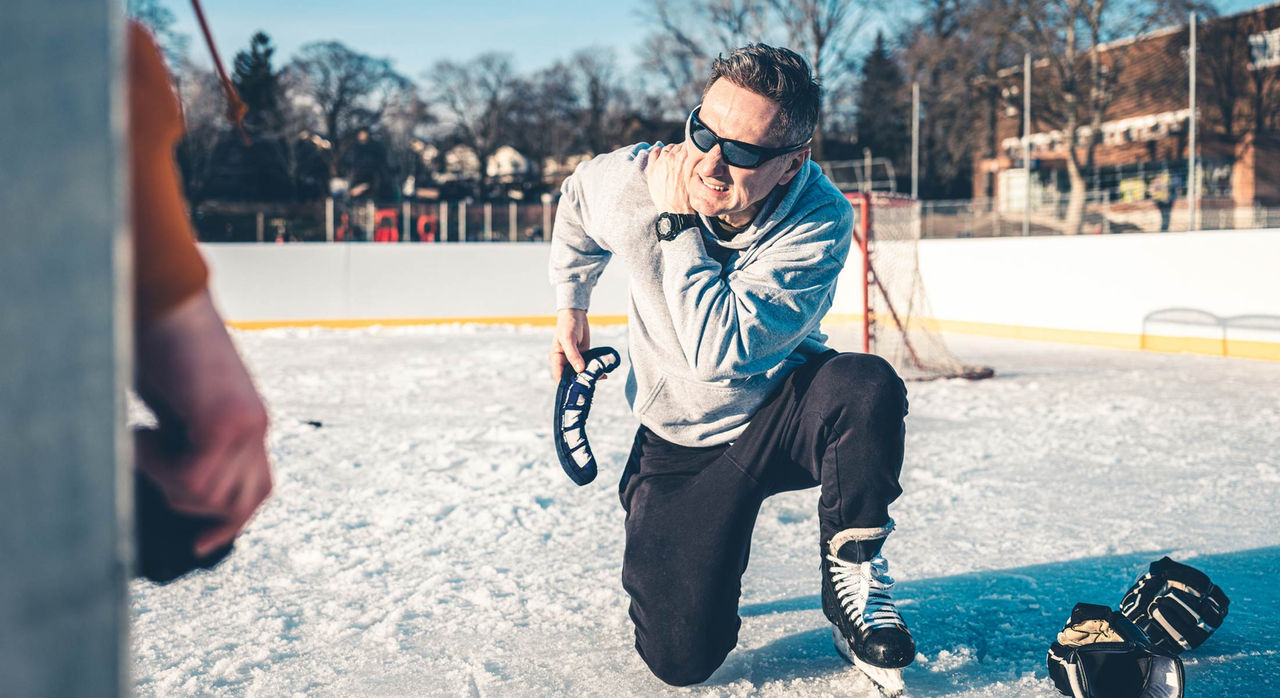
664,225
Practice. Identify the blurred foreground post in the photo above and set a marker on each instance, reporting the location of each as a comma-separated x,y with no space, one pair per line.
66,346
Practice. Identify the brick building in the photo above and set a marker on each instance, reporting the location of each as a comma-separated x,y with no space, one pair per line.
1140,160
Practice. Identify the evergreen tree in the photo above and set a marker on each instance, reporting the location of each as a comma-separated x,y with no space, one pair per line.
884,110
258,172
257,83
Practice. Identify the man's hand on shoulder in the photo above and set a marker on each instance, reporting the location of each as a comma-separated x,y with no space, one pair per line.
572,337
669,170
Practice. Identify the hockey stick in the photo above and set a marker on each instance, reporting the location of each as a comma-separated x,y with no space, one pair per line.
236,108
573,404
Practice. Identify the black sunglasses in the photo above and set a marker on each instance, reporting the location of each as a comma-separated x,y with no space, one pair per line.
736,153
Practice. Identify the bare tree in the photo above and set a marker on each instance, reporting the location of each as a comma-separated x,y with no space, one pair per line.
403,127
956,51
603,101
708,27
205,130
476,96
292,144
1225,79
544,117
350,90
678,70
691,34
1070,35
824,32
1264,82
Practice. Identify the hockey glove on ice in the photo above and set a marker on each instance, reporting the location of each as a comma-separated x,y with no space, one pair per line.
573,404
1101,654
1175,605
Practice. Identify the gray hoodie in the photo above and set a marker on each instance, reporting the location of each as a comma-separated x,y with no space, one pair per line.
709,340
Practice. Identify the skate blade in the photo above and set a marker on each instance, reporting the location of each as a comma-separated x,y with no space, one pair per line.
889,681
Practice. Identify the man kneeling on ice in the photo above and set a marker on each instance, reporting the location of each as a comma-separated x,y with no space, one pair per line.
732,241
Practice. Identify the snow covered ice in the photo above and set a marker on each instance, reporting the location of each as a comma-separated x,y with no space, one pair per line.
422,540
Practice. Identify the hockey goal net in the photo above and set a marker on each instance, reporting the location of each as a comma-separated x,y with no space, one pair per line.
898,323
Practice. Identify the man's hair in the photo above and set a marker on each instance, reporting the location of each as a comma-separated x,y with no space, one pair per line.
781,75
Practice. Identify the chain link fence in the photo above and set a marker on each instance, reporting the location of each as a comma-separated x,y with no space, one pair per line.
970,218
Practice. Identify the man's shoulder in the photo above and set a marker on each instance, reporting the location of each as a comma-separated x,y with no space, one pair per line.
630,158
612,177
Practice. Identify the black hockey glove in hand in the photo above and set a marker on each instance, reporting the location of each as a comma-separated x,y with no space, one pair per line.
573,405
165,539
1101,654
1175,605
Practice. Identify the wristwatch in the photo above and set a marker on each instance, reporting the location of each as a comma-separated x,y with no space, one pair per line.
669,225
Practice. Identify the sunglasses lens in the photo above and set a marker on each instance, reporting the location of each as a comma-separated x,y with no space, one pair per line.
736,154
701,137
740,156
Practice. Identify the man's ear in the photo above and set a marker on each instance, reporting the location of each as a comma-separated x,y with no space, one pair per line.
795,161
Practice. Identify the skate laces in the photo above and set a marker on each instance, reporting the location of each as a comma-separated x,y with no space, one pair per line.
865,585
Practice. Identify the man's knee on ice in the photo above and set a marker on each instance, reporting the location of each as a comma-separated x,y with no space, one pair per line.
678,667
863,381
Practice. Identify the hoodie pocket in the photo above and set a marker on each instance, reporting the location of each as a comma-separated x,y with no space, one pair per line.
682,403
653,394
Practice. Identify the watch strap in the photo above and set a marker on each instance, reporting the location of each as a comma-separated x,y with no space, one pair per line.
684,221
674,224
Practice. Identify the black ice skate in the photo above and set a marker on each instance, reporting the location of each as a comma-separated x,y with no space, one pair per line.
868,630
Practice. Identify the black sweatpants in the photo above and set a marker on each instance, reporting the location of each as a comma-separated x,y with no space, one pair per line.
836,421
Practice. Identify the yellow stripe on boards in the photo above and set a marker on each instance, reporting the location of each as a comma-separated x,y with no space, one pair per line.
1234,348
535,320
1208,346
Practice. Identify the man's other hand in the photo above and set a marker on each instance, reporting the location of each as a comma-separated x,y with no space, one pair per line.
573,336
208,455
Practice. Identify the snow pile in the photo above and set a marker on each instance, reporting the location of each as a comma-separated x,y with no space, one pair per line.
423,540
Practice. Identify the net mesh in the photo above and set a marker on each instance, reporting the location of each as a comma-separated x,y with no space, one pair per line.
901,323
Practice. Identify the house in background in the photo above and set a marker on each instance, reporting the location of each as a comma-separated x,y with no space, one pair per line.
1140,164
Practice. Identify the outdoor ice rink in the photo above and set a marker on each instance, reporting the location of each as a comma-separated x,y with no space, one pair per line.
422,539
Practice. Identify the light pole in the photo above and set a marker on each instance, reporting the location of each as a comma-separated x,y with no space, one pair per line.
1026,143
1192,180
546,215
915,140
866,169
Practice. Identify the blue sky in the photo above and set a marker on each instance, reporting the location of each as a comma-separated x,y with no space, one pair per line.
417,33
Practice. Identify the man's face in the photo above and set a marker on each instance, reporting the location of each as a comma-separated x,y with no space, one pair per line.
719,189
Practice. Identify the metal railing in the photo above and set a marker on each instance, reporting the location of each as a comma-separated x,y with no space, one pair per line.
338,220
